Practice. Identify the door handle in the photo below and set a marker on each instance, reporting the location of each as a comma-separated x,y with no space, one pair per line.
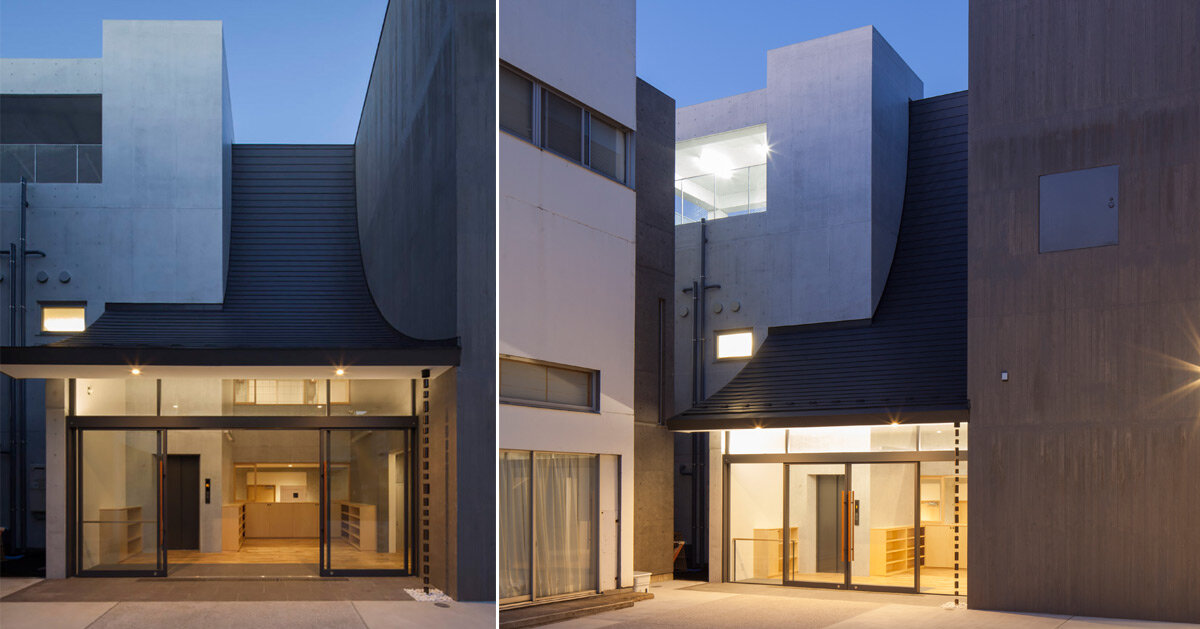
849,520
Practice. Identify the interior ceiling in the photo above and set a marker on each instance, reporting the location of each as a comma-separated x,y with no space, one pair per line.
731,150
291,372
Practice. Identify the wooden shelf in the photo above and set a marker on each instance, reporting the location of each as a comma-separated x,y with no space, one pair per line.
894,550
233,526
357,524
120,534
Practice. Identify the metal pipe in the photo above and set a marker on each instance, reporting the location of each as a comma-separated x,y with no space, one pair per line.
662,376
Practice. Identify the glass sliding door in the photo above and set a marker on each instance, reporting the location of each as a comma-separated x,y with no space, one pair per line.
816,522
886,549
366,497
516,533
565,523
119,491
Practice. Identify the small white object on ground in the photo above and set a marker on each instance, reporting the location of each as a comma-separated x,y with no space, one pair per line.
953,605
434,596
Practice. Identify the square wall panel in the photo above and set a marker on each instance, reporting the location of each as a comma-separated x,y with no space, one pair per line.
1078,209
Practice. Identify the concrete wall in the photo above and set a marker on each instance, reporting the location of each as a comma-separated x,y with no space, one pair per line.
425,167
836,110
591,46
567,245
153,231
1083,464
653,346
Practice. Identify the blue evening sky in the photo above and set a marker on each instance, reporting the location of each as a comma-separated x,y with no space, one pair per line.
298,69
699,50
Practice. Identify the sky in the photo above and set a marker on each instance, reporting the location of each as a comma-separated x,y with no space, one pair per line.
700,50
298,69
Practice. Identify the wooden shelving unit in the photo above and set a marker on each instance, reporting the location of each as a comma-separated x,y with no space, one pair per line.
894,550
120,534
233,526
357,524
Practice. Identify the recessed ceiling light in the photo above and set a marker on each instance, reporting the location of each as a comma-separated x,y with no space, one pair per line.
340,372
135,371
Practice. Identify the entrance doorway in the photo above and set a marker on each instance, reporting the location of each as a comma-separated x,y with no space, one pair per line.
195,502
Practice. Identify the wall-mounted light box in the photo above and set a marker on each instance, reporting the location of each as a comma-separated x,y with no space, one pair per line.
735,344
63,319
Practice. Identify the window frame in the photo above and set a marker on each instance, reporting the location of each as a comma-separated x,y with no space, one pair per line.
43,305
541,91
593,386
717,334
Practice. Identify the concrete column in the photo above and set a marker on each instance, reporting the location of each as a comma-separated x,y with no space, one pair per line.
716,507
56,479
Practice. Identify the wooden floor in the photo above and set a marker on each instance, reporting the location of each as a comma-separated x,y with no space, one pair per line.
933,580
282,551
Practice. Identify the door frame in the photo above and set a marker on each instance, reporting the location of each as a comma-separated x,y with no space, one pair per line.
162,425
847,459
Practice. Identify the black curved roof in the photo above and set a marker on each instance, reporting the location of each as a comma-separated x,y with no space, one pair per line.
295,278
910,361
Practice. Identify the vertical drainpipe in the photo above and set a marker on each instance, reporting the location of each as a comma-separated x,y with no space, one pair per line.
699,439
21,497
12,386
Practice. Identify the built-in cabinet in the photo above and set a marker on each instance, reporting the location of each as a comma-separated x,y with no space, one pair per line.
281,519
233,526
120,534
357,524
768,553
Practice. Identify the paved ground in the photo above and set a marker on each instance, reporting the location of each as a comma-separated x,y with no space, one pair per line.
691,605
269,607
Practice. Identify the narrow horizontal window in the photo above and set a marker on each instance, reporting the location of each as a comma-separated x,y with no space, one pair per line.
739,344
62,319
554,386
516,104
607,149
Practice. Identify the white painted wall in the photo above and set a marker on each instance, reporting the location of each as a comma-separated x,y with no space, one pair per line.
566,253
155,229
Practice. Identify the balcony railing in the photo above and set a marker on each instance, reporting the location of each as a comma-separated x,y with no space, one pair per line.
720,195
51,163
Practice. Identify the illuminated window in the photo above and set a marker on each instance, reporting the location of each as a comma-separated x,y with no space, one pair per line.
738,344
721,175
540,384
62,319
289,392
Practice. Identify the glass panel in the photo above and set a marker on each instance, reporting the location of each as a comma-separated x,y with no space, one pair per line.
884,545
566,521
118,485
732,193
368,519
515,531
941,436
607,153
50,119
755,521
696,197
16,161
564,127
520,380
566,386
721,175
886,438
55,163
116,396
756,187
91,167
735,344
816,523
757,441
938,507
370,397
516,104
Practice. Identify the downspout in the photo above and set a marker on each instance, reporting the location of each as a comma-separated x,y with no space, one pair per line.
21,497
11,450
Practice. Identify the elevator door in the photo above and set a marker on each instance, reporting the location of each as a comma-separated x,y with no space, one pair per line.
181,502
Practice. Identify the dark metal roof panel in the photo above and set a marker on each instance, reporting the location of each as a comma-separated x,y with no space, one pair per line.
912,357
295,276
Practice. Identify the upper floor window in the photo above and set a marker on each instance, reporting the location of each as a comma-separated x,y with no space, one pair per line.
63,318
290,392
50,138
552,121
524,381
721,175
735,344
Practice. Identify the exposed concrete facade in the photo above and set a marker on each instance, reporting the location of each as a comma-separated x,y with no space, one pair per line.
836,111
425,156
654,278
1084,462
568,255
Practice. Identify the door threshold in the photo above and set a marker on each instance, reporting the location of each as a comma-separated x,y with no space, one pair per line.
264,577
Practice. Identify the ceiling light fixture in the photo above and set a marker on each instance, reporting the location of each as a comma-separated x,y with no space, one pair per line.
340,372
135,371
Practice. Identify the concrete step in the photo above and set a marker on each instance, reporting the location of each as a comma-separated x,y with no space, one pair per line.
544,614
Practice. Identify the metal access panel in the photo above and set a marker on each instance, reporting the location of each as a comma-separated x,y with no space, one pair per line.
1078,209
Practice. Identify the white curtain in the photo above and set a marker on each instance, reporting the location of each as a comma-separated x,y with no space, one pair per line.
514,524
565,517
